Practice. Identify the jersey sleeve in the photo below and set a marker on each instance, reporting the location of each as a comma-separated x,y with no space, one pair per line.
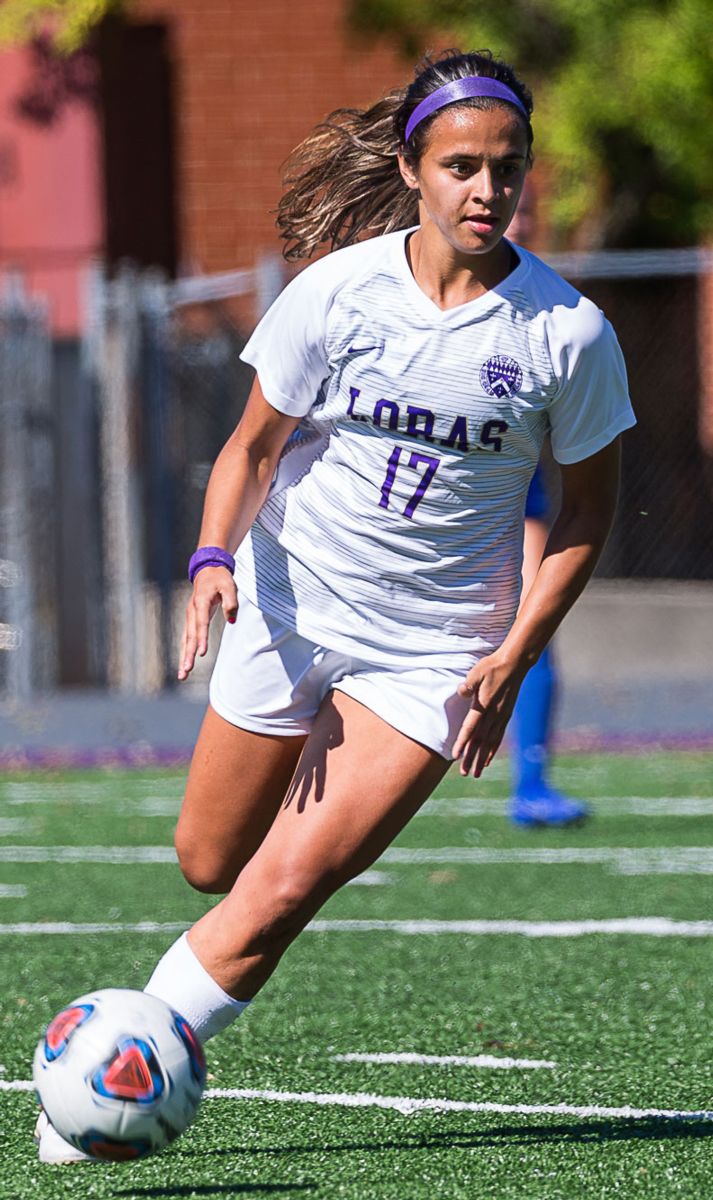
287,348
591,406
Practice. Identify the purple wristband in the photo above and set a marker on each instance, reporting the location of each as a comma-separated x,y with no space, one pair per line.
209,556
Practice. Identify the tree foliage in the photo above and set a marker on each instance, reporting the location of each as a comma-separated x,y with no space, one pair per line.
68,22
623,102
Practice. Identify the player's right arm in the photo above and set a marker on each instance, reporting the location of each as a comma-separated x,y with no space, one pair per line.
237,488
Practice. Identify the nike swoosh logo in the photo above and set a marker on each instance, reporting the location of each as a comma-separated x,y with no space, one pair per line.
361,349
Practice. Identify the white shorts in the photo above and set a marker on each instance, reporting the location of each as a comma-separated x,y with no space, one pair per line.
269,679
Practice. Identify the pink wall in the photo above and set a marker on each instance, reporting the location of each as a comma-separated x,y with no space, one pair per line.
50,206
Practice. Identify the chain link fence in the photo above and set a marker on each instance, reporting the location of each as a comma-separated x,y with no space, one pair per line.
164,363
659,305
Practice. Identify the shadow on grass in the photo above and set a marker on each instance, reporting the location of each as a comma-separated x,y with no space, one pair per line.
581,1132
219,1189
656,1129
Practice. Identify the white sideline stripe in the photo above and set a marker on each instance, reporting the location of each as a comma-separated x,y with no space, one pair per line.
114,855
611,806
622,860
12,825
12,891
543,854
90,927
412,1104
88,854
644,926
371,879
648,926
446,1060
158,806
458,806
148,806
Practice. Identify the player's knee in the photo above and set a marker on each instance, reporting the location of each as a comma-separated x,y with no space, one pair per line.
201,867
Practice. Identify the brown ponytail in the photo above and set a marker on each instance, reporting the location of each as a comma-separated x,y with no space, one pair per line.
343,181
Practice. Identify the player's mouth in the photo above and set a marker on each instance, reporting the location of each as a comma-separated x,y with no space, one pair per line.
481,222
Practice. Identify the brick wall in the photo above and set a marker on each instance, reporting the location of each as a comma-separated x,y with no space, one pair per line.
253,77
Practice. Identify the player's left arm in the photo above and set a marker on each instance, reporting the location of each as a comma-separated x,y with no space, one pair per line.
589,495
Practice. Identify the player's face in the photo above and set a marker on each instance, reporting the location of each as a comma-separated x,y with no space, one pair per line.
470,175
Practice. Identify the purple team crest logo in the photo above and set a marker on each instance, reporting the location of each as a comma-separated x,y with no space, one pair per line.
501,376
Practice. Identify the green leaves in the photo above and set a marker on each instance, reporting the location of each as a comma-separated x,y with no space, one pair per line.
623,103
68,21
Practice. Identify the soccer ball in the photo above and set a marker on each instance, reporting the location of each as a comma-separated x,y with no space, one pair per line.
119,1074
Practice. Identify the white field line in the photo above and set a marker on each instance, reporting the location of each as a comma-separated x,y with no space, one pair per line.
12,891
115,855
620,860
690,806
488,1061
79,791
168,805
12,825
156,806
88,854
637,926
26,928
145,806
610,806
371,879
407,1105
167,801
642,926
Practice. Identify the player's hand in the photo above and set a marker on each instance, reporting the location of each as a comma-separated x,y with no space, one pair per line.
213,588
493,685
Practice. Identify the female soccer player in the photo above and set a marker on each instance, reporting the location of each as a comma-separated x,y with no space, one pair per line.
377,640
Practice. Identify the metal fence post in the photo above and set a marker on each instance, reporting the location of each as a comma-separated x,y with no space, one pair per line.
116,361
28,629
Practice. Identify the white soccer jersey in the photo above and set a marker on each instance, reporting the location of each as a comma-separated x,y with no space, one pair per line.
404,538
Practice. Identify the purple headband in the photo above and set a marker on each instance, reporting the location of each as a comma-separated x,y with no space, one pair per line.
463,89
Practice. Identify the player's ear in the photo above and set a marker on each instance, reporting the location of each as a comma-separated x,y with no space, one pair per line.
408,174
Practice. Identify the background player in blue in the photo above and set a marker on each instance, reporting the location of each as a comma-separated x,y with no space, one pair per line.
379,634
534,801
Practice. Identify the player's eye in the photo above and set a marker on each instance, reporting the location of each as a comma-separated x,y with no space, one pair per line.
461,169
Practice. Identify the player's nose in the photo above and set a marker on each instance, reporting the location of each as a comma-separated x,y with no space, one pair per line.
483,188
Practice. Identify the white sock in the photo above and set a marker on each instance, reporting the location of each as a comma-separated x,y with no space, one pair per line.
184,983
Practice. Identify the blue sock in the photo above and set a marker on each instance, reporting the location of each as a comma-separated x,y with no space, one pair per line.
530,725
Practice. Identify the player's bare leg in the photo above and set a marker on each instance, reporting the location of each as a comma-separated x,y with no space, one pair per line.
236,784
358,782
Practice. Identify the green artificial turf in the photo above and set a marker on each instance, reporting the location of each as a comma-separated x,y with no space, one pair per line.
626,1018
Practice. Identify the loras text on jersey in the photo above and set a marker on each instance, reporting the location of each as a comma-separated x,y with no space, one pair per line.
421,423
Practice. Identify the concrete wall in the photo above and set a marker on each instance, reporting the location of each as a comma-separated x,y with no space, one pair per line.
650,630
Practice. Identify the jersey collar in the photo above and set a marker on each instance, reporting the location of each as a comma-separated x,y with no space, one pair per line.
462,313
